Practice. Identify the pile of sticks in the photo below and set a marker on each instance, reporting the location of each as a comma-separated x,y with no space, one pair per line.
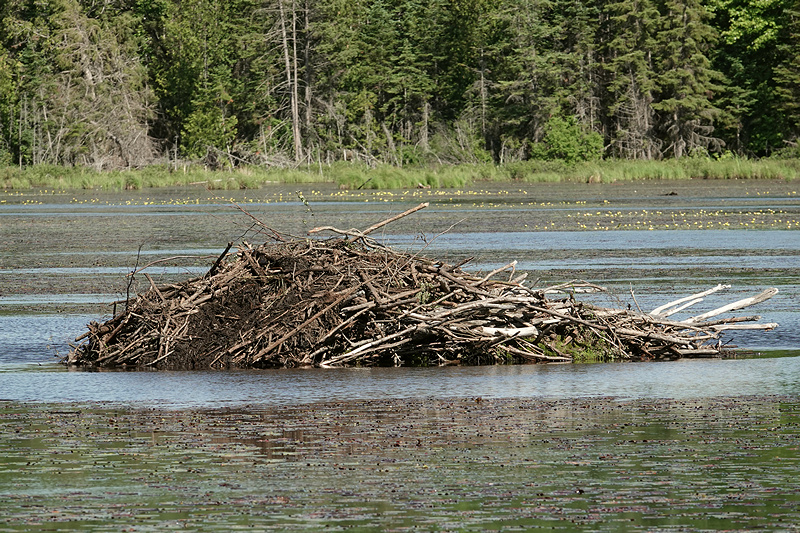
350,301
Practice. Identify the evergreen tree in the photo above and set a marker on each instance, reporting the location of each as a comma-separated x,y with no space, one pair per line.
120,83
8,108
194,52
528,75
751,36
578,23
81,92
632,78
787,75
686,81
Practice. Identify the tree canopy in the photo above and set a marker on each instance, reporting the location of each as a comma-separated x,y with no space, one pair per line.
127,83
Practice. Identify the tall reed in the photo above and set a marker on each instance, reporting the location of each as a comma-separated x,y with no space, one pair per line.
360,176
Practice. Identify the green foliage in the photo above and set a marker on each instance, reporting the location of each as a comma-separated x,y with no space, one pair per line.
686,80
587,348
787,75
632,78
754,41
565,140
120,85
8,106
207,132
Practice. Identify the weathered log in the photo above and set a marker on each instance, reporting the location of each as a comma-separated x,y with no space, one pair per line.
664,310
739,304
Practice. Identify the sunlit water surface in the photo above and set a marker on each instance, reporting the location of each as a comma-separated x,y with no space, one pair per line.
68,259
692,445
191,389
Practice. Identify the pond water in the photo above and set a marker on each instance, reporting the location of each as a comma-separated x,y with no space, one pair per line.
66,256
179,390
700,445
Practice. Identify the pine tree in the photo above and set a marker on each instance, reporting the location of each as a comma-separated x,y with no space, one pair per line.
8,108
194,53
528,74
748,52
787,75
631,78
579,88
80,93
686,81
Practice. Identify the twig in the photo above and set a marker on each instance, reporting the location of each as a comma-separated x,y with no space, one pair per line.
392,219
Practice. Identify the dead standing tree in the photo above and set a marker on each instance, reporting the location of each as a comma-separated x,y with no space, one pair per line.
349,300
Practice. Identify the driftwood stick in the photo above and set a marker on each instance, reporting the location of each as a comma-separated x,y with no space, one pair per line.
533,355
154,288
699,352
460,264
659,310
494,303
575,285
765,327
392,219
349,232
366,346
730,320
739,304
680,308
486,278
215,266
529,331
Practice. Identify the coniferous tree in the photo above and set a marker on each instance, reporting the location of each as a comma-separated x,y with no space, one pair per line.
528,78
26,31
747,54
336,30
81,94
577,21
194,80
632,78
787,75
120,83
8,108
686,81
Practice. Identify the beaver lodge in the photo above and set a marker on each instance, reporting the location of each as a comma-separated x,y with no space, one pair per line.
350,301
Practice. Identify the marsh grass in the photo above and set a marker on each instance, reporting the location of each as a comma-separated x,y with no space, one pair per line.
584,347
359,176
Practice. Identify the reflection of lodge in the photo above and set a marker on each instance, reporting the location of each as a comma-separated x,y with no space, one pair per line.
351,301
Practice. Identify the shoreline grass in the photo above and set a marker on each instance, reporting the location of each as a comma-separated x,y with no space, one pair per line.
359,176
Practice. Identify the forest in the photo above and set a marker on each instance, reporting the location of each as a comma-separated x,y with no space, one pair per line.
121,84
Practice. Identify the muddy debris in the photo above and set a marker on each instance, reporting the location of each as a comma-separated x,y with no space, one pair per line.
348,300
